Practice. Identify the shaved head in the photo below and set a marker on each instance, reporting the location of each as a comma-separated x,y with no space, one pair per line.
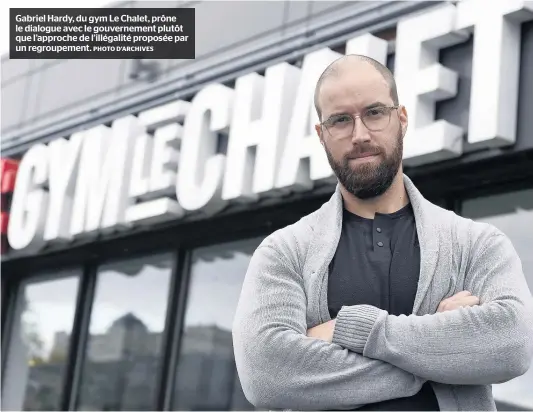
344,63
365,154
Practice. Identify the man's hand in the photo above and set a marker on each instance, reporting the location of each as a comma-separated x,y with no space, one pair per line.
323,331
458,300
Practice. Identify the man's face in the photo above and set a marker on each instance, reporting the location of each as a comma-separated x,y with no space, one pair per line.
365,161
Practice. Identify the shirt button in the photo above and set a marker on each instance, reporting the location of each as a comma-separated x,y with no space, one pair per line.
380,244
378,229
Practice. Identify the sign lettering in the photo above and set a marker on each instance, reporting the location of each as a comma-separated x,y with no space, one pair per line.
8,173
171,160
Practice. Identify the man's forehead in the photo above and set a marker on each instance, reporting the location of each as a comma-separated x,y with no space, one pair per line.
353,69
350,84
354,79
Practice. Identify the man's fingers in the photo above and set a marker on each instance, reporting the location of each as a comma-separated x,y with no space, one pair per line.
461,294
451,304
470,301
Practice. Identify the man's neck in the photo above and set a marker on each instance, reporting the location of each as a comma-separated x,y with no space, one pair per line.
391,201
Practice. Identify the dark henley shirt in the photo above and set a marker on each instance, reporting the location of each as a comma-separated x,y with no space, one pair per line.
377,262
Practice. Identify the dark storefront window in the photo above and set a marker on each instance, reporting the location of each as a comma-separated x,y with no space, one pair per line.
124,348
39,342
207,377
512,213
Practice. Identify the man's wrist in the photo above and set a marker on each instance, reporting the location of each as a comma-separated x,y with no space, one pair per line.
353,326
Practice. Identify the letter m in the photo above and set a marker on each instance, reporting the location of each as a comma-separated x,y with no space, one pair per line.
101,195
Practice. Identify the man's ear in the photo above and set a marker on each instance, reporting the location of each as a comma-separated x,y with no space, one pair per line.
404,120
318,130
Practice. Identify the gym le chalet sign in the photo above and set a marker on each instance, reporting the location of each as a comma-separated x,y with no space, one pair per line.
163,163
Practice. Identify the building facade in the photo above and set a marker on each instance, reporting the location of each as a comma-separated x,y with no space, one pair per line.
135,191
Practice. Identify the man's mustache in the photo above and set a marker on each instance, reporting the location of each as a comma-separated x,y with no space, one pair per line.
362,150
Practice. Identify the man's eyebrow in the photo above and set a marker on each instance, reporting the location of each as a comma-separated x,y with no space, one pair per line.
337,113
345,112
376,104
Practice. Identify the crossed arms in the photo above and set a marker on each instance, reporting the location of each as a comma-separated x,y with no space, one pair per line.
376,356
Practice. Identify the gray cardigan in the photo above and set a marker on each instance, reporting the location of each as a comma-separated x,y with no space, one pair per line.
376,356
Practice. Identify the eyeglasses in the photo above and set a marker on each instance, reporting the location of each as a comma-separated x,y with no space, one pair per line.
375,119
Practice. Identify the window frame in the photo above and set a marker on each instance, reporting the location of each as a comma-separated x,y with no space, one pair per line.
13,289
77,359
169,398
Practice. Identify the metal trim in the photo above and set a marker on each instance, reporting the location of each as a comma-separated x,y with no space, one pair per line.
9,310
172,316
79,335
179,306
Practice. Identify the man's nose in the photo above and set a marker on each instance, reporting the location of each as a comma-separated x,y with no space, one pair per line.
360,132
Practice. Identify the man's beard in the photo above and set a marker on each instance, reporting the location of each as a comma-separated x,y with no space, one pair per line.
368,180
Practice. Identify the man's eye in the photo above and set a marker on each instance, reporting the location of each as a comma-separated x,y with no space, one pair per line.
376,112
340,120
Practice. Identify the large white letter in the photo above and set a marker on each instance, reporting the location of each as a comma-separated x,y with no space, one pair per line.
422,81
495,67
155,163
261,111
199,183
167,140
369,45
63,165
140,166
101,189
304,160
156,180
30,200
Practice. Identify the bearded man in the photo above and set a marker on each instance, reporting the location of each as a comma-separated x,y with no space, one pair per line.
379,300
